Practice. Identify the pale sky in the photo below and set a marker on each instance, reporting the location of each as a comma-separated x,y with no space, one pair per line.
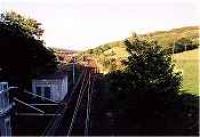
82,24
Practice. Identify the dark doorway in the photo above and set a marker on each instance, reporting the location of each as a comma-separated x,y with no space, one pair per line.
47,92
38,91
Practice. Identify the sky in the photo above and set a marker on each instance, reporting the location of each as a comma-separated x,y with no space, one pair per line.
83,24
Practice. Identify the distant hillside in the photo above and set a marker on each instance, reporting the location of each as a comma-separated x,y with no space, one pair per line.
110,55
64,55
167,38
64,51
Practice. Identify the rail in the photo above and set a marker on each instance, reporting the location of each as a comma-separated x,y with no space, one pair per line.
83,85
53,124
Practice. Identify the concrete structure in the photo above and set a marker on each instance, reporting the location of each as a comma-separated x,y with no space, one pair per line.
53,86
5,125
5,107
5,104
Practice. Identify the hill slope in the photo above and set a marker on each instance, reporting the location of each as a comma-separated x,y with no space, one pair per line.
188,63
110,54
64,55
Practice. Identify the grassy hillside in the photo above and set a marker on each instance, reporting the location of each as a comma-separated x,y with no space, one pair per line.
110,55
117,50
188,63
167,38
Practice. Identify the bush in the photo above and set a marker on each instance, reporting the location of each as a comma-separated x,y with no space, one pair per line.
184,44
145,96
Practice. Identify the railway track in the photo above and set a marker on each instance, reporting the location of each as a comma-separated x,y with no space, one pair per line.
75,112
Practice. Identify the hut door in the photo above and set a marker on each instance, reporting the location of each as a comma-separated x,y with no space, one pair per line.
47,92
39,91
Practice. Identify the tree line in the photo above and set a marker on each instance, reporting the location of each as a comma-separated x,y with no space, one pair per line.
23,55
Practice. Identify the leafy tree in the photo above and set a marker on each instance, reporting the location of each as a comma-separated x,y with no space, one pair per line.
30,26
150,67
22,54
144,97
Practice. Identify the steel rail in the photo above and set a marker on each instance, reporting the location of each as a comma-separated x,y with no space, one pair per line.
26,104
50,130
90,103
53,124
30,93
44,104
37,114
78,103
86,130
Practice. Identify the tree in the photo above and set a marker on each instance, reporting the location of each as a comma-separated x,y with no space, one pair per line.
150,67
145,98
23,55
30,26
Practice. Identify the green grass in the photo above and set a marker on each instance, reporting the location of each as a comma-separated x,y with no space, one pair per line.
188,63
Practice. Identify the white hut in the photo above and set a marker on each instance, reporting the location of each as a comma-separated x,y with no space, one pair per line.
53,86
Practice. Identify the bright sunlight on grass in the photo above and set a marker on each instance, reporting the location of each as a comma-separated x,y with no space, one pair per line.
188,62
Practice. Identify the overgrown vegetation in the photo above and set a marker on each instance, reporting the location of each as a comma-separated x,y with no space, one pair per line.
175,41
144,99
22,54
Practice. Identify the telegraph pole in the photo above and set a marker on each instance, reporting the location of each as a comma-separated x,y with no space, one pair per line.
73,71
104,64
173,47
185,46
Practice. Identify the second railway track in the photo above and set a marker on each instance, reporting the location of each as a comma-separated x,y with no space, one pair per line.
74,119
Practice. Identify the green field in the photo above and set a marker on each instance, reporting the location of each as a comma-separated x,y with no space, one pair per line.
188,62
